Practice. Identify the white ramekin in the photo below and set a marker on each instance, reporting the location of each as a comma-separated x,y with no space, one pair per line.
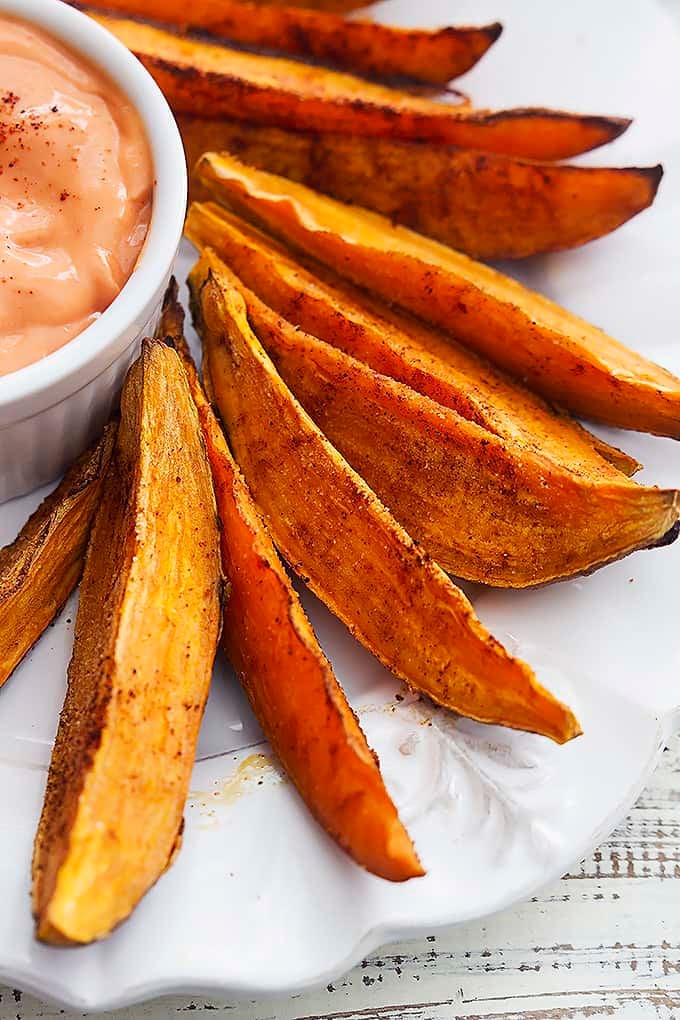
51,410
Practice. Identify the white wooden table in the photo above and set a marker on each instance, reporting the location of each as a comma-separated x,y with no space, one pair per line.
602,942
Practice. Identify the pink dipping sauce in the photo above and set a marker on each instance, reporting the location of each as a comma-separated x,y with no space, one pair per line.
76,183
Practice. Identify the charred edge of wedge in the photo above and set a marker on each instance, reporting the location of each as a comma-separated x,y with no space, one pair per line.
332,6
452,679
171,325
612,126
385,849
57,530
670,537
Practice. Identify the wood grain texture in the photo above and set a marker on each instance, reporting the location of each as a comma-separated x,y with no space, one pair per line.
604,941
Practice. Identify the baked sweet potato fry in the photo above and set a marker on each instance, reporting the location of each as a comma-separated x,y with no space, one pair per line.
486,509
199,78
289,682
40,569
146,635
554,352
366,47
403,347
337,535
472,201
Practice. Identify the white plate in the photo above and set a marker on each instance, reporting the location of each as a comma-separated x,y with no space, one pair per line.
260,900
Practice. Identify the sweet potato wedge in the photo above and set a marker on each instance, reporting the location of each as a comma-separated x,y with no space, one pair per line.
403,348
367,47
486,509
146,635
554,352
337,535
472,201
40,569
199,78
289,682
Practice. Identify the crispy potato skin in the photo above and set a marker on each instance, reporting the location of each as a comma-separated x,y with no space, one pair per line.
199,78
554,352
288,680
472,201
404,348
337,535
481,507
146,634
40,569
335,6
366,47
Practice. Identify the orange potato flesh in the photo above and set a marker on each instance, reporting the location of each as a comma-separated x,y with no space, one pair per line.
289,682
472,201
40,569
202,79
554,352
337,535
145,641
483,508
402,347
369,48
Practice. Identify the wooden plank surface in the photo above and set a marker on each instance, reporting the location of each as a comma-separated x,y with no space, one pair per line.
604,941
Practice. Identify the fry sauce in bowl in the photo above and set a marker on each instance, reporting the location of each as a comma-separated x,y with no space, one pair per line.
76,184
